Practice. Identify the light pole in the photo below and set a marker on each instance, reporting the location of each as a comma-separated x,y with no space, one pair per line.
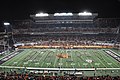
6,25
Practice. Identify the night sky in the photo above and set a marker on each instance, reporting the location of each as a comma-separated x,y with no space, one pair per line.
21,9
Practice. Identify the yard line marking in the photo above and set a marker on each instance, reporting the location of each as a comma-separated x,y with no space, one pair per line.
87,57
19,60
44,59
99,59
41,57
79,59
12,59
71,58
22,57
33,58
82,61
110,59
104,58
56,58
79,64
66,61
94,58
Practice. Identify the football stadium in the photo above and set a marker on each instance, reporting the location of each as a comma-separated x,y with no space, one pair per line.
62,45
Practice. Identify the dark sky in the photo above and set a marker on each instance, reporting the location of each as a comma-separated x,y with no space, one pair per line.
21,9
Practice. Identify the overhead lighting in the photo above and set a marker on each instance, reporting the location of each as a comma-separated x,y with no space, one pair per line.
6,23
85,14
70,14
41,14
63,14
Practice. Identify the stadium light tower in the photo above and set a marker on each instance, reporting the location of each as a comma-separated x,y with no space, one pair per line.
8,35
85,13
42,14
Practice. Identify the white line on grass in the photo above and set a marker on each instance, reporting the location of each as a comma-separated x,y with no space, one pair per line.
104,58
110,59
100,60
72,59
44,59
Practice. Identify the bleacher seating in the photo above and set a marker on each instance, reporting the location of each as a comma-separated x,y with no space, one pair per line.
13,75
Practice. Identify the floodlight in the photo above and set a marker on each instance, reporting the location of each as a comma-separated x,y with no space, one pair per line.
55,14
70,14
85,14
63,14
41,14
6,23
59,14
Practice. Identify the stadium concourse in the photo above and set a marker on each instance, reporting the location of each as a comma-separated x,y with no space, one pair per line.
62,46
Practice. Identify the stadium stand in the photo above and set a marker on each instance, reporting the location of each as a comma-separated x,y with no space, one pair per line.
13,75
78,27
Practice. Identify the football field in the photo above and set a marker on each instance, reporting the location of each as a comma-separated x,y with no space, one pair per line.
63,58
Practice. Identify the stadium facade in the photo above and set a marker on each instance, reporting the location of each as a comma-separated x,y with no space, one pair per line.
59,42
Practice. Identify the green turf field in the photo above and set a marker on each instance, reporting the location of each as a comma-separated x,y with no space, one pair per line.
76,58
